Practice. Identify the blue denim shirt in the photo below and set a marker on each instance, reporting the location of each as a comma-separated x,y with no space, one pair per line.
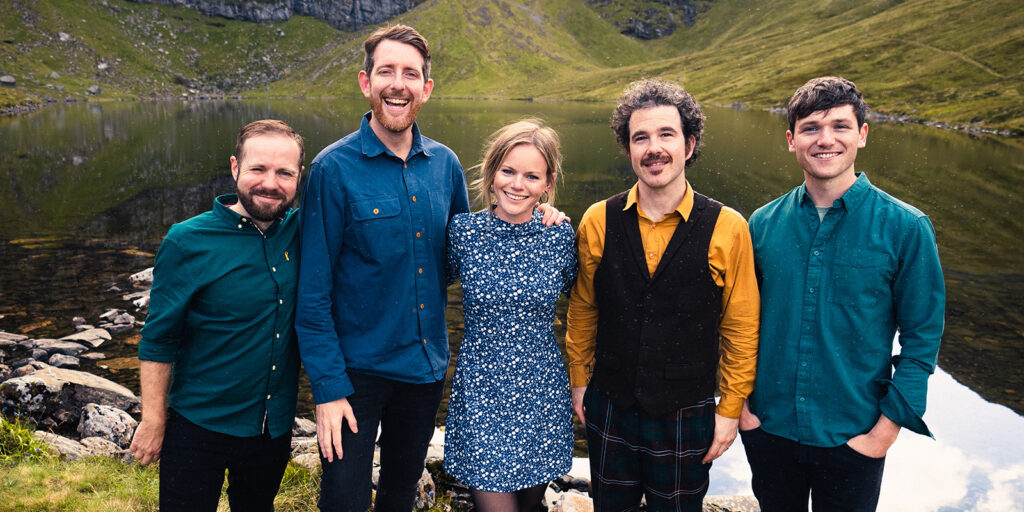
833,294
372,294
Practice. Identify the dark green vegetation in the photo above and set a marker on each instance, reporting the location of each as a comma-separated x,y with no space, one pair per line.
952,61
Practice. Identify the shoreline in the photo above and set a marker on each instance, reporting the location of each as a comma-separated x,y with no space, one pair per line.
872,115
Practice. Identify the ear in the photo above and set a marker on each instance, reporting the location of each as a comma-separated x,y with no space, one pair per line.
364,83
234,168
428,86
863,136
691,142
789,140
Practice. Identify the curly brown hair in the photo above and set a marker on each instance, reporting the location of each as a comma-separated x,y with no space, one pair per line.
648,93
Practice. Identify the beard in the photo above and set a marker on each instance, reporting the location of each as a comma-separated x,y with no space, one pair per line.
264,213
392,124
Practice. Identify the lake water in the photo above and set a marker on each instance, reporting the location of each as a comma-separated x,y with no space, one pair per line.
89,190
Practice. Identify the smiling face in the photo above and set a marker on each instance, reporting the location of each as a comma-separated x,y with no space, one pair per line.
826,143
658,149
395,86
519,183
266,177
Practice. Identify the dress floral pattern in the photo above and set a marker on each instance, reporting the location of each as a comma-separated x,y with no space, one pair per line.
509,423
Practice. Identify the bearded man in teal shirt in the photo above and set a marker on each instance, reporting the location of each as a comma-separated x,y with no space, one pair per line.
842,267
221,317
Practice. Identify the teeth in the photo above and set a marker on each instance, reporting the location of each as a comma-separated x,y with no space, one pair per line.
826,155
515,197
398,102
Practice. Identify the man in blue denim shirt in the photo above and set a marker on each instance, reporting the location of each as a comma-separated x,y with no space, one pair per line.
372,294
842,267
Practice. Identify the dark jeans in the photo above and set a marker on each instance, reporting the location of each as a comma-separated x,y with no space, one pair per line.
405,413
786,472
193,460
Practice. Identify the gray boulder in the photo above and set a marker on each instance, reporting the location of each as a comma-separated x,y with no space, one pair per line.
69,448
93,89
60,394
92,356
84,327
108,423
27,369
310,461
142,279
303,428
100,446
5,372
92,337
39,354
68,348
53,75
9,339
302,445
63,36
7,80
63,361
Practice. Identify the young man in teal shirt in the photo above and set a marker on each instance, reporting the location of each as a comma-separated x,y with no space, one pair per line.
221,319
842,266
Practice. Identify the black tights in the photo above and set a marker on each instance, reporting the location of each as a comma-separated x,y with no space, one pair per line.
523,500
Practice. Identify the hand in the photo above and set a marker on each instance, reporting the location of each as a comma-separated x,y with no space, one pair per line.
725,434
748,420
577,403
551,215
876,442
148,440
328,426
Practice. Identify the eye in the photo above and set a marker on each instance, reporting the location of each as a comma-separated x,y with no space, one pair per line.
506,172
533,177
412,75
639,138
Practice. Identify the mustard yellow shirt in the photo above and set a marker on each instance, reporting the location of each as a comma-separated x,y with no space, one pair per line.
731,258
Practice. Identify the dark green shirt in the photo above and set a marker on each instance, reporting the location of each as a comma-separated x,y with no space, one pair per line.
222,310
834,292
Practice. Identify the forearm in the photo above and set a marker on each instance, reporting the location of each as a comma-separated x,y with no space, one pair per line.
154,380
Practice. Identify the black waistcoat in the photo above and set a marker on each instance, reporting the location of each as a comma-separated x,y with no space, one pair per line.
657,336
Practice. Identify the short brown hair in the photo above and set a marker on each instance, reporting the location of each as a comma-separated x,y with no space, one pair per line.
402,34
824,93
268,127
528,131
650,93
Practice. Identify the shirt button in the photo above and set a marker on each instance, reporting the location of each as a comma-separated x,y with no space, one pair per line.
421,271
268,397
273,368
376,211
811,290
803,363
650,255
417,234
414,199
239,226
817,253
277,335
280,301
273,269
424,341
801,399
421,306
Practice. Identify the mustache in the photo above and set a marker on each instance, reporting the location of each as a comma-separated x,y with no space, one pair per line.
264,192
655,159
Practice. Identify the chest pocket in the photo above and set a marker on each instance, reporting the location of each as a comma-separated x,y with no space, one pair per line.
379,227
860,278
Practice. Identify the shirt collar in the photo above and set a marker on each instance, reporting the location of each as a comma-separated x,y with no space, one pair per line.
372,146
222,209
850,199
684,208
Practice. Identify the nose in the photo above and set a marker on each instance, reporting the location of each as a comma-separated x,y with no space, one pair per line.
826,137
517,182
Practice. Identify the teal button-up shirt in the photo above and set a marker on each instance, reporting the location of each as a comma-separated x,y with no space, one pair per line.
222,309
833,294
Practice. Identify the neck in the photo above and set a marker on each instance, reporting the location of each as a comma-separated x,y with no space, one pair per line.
400,143
825,192
656,203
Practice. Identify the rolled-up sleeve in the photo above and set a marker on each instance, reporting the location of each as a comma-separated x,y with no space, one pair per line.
919,297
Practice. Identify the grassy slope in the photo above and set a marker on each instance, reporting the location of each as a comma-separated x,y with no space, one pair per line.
949,60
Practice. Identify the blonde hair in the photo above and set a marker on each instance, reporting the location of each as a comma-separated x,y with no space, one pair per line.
527,131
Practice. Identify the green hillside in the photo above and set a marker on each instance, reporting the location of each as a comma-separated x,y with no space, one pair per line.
952,61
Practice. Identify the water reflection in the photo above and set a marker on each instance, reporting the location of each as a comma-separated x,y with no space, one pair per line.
975,462
89,191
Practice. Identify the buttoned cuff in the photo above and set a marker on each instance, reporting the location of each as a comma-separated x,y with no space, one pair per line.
334,388
896,407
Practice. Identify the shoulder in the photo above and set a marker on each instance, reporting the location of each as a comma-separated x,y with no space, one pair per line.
595,215
730,220
439,152
894,206
346,147
773,208
191,228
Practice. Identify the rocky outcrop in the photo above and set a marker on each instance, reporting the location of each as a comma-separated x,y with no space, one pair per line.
340,14
56,396
108,423
650,19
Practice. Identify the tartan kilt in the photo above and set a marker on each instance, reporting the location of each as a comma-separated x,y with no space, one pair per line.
633,454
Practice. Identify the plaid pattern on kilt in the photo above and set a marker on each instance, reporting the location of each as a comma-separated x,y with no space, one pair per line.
634,454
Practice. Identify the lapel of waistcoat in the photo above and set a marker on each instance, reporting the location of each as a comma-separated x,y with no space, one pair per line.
682,231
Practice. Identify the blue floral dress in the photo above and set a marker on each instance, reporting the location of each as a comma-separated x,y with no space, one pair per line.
509,423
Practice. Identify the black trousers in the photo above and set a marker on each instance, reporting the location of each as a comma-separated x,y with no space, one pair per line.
786,472
193,460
